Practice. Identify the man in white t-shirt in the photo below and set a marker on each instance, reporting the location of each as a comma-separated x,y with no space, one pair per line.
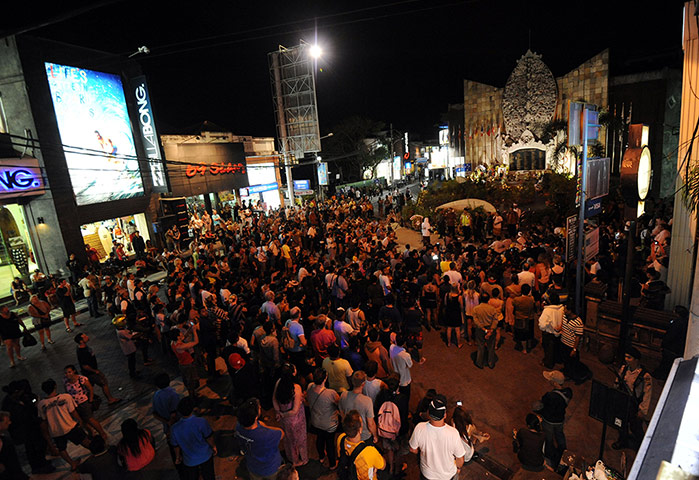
60,422
454,275
525,276
441,450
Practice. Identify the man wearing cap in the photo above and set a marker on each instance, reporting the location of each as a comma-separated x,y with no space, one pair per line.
638,383
441,450
244,379
552,409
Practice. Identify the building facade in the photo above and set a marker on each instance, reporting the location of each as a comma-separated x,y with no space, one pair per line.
507,126
76,111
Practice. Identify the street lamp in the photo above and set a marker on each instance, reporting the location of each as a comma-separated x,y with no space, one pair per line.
316,51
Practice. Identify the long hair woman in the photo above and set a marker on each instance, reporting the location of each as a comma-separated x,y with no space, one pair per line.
136,447
288,403
461,420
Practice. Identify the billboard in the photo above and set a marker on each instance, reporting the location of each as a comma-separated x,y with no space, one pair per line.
302,184
96,135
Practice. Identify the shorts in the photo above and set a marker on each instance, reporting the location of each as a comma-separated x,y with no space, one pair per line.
41,322
84,410
96,378
76,436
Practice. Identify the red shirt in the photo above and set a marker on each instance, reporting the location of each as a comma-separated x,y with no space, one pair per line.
320,340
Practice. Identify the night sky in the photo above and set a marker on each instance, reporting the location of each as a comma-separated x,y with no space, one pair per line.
398,62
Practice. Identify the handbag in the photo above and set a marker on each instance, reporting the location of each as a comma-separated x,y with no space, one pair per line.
28,340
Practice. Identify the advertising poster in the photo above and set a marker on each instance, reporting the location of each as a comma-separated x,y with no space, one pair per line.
95,130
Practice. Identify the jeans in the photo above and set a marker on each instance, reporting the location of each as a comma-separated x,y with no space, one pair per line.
554,433
206,470
92,305
485,345
550,343
325,445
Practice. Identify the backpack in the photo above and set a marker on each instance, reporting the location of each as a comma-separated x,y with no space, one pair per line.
389,420
346,469
287,342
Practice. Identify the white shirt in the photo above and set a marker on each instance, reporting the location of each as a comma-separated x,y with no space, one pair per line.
425,227
439,447
525,276
455,277
342,332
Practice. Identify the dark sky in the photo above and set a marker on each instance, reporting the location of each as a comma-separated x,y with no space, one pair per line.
399,62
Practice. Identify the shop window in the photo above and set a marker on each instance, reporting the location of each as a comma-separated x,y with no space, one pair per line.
17,258
101,235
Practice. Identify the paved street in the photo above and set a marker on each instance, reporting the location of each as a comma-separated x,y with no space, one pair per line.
499,398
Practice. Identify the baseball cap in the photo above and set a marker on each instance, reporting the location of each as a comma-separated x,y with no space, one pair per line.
437,409
236,361
555,376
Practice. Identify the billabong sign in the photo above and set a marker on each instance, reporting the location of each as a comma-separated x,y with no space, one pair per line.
20,177
149,135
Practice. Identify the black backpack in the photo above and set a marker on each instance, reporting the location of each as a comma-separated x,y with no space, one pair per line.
346,470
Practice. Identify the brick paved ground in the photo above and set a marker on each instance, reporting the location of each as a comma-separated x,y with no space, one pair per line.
499,399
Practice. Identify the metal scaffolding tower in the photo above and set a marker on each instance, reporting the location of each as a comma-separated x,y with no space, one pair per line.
294,94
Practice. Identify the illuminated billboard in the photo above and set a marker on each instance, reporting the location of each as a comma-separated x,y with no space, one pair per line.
95,130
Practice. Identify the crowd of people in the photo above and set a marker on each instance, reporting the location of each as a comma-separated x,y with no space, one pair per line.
317,314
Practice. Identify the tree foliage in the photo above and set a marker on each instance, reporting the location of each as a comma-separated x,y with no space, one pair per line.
357,144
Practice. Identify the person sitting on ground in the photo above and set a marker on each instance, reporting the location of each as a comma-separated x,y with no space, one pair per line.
136,449
529,443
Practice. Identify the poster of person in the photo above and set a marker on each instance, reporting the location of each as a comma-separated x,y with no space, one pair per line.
95,130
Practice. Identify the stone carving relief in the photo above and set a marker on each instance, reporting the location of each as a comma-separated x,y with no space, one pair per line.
529,99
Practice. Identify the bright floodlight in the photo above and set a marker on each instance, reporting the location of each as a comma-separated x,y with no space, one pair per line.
316,51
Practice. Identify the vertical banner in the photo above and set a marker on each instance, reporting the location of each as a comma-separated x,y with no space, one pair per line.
571,238
149,135
322,173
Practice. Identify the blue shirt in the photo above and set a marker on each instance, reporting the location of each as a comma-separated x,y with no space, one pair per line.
261,447
296,330
164,403
190,435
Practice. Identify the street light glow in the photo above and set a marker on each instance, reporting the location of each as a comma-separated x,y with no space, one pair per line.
316,51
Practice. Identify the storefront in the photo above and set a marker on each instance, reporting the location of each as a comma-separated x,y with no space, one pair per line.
101,234
263,185
256,196
20,182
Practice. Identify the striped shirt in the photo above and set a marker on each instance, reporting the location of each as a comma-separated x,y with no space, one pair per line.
572,327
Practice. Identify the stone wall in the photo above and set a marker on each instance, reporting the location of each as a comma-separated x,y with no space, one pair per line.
482,122
589,82
483,107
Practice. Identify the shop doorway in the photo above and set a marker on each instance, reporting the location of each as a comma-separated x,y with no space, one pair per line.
100,235
17,258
